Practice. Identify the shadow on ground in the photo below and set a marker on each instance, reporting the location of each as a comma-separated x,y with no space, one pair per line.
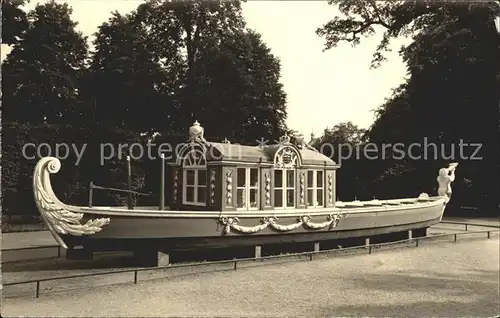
101,262
477,295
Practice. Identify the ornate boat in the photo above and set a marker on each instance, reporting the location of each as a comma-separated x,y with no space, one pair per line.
223,194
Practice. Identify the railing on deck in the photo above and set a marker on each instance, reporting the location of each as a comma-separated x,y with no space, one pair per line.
369,247
92,186
130,192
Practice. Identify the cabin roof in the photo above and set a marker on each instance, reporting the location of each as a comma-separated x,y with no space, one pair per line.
225,151
236,152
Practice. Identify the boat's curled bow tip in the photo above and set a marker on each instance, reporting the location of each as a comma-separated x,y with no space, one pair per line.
52,164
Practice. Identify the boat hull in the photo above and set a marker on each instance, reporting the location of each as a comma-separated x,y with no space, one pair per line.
115,228
168,232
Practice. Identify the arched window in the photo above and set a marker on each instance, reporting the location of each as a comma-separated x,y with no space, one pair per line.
194,178
286,160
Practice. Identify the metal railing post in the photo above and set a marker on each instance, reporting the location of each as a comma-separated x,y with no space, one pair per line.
135,277
91,190
162,183
37,292
129,184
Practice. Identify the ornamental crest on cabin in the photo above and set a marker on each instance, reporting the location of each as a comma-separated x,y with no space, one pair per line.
286,158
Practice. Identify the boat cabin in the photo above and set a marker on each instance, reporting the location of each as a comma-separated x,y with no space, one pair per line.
223,176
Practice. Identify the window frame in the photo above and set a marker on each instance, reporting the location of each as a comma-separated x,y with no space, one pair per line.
285,187
199,167
247,189
315,188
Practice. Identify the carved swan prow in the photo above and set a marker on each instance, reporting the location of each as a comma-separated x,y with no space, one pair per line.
58,216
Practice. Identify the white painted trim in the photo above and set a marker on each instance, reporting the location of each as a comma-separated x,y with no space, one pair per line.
298,161
284,189
257,164
315,188
239,163
320,166
196,170
187,148
247,189
260,213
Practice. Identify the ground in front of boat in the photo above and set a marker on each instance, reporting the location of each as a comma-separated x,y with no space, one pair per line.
450,279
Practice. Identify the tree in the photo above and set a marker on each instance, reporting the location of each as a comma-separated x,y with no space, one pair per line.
344,144
165,60
247,95
127,86
190,29
344,133
14,21
103,166
451,94
44,69
396,19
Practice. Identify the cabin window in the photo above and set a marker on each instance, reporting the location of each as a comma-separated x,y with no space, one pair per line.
247,188
284,188
194,178
315,188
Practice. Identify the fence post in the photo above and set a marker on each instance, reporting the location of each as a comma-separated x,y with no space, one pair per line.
162,183
466,226
37,292
129,184
455,238
135,277
489,234
416,242
310,256
369,249
91,189
235,266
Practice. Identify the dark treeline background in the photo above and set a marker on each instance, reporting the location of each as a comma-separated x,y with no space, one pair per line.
152,72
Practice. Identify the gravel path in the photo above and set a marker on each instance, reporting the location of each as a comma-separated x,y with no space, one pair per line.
446,280
27,239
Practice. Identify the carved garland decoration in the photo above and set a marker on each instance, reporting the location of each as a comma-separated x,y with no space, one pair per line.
231,223
176,184
268,189
302,187
330,189
212,187
229,187
56,214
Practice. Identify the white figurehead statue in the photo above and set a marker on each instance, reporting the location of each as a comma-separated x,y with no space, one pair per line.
445,178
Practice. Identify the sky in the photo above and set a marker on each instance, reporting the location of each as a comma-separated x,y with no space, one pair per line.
323,88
